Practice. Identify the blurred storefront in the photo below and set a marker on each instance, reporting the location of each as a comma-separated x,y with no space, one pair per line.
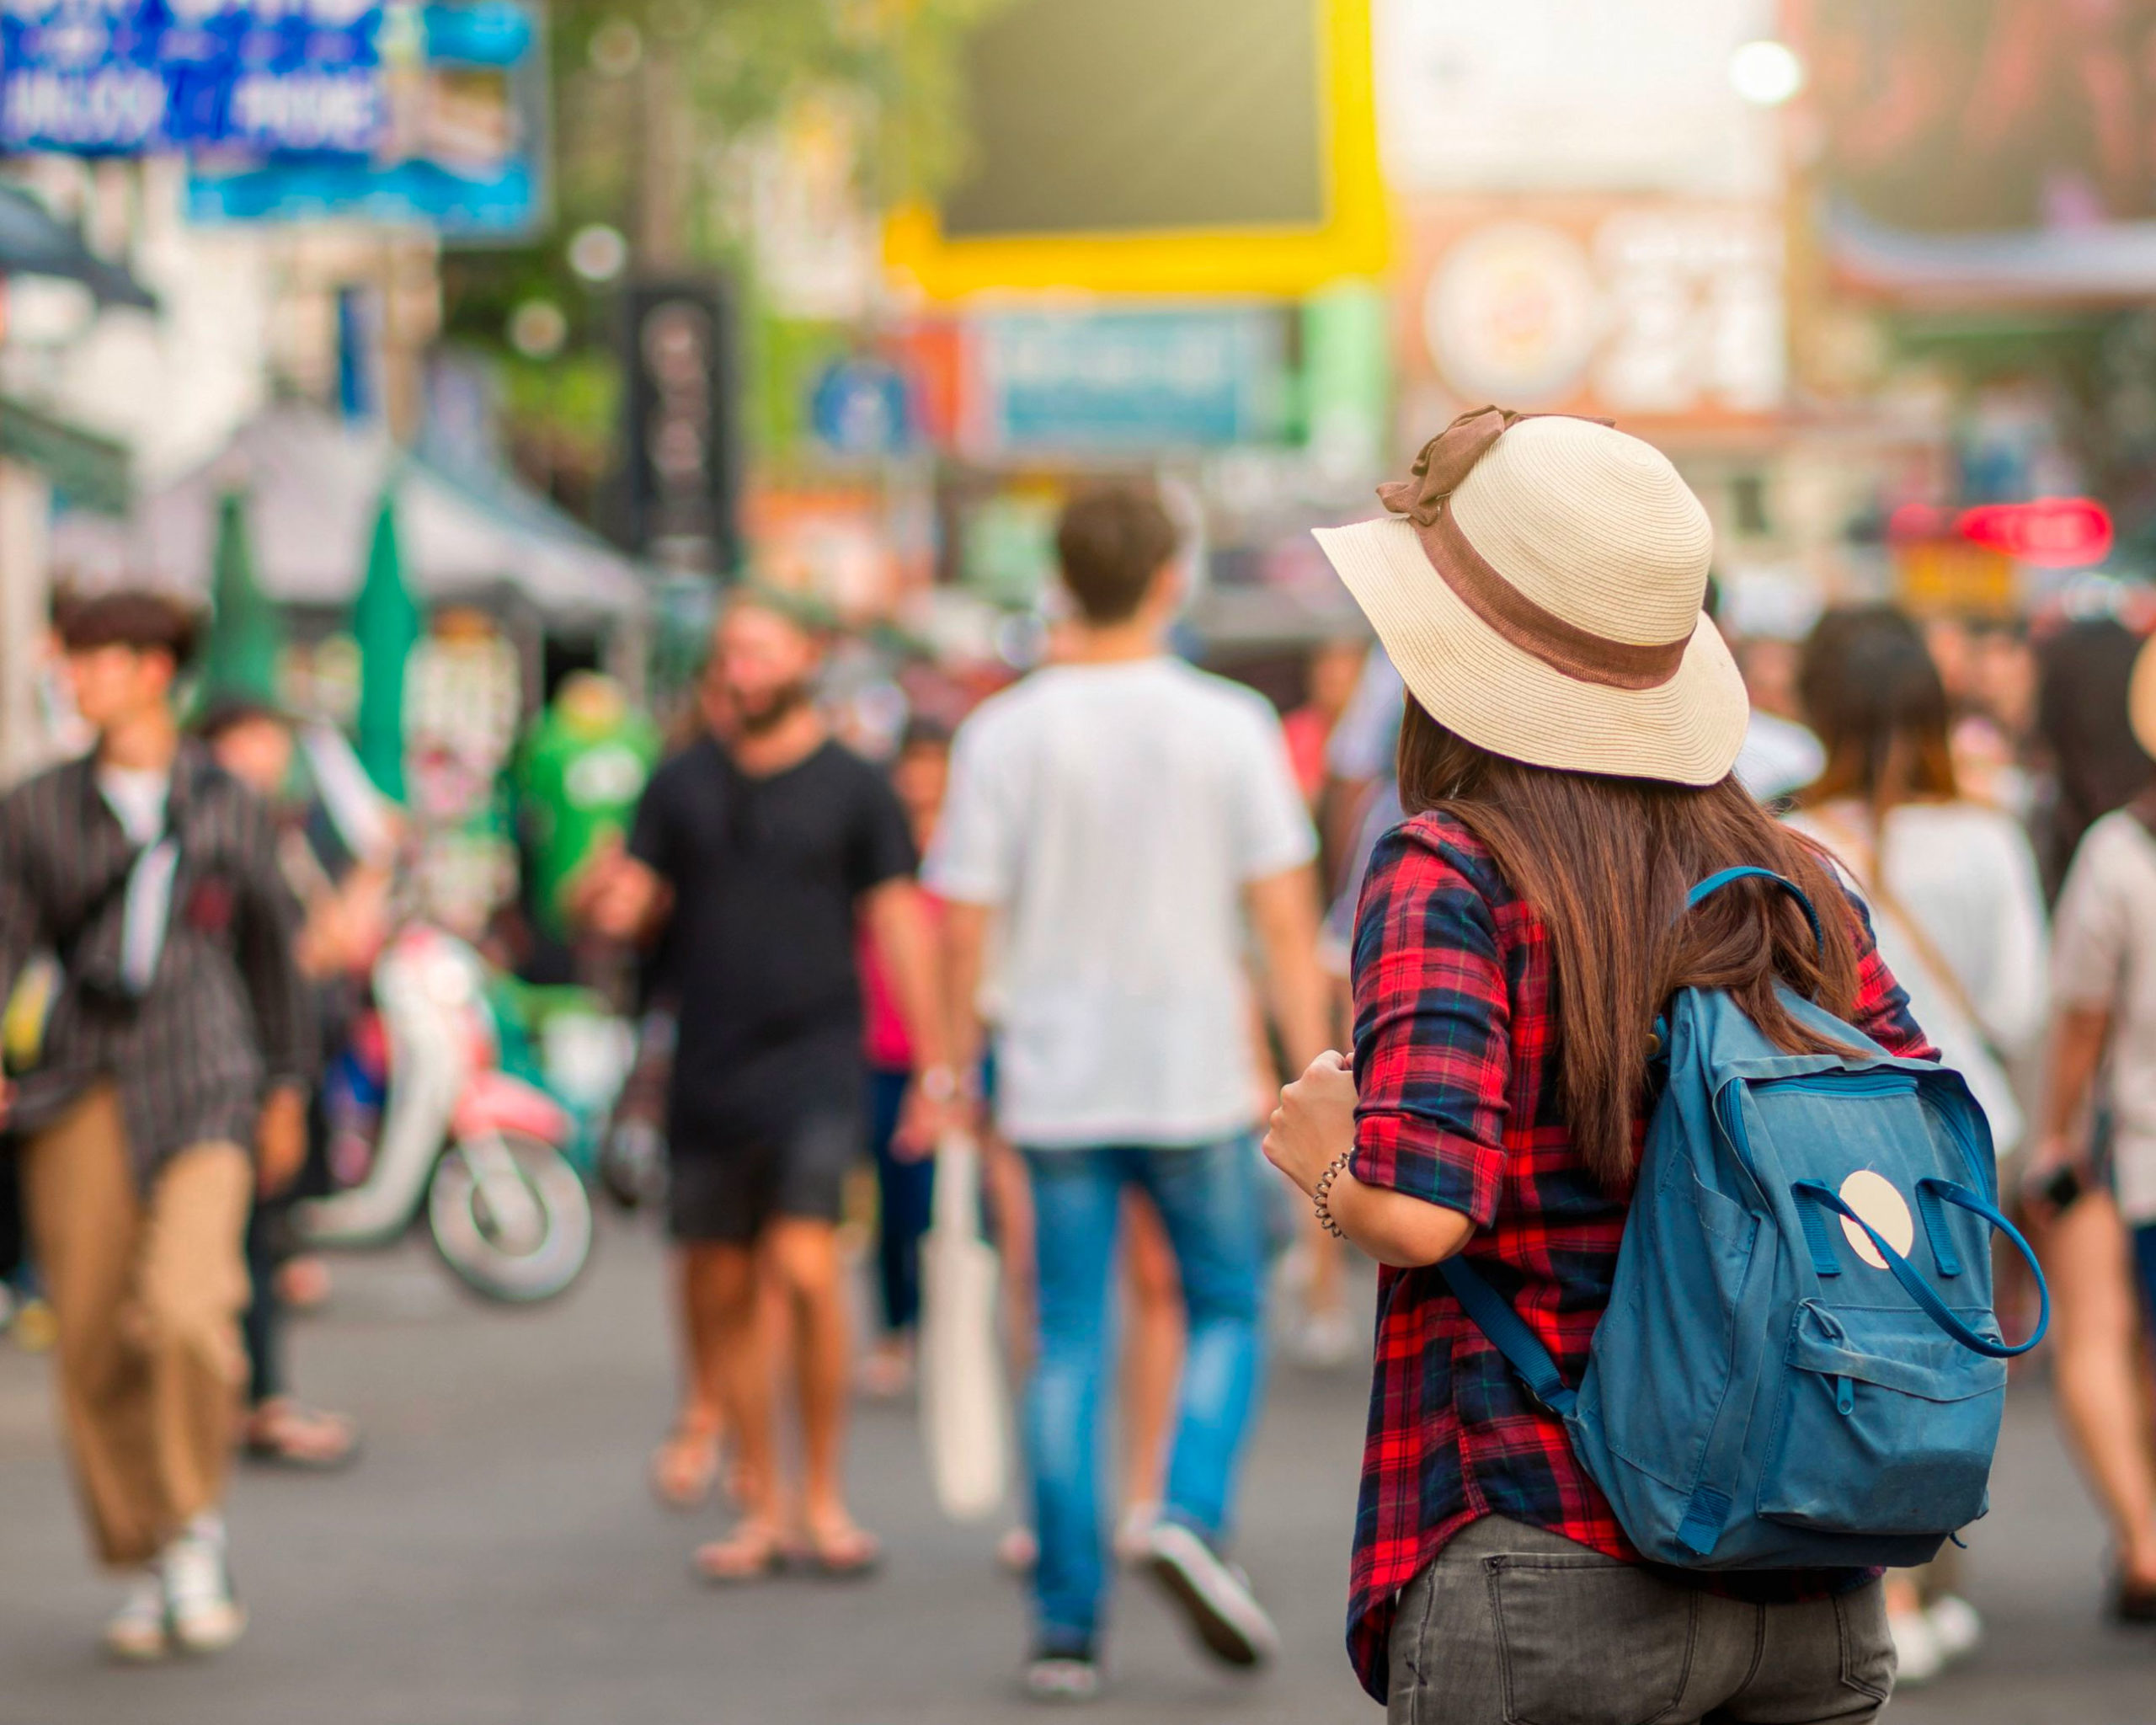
1981,181
1129,279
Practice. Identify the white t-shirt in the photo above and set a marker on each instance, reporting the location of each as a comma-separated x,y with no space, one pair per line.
1113,812
2104,957
1964,872
1778,756
136,797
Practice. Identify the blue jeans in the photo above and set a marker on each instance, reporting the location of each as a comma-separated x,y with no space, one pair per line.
2144,1261
1210,1198
905,1192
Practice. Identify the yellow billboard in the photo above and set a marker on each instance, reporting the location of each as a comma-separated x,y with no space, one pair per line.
1212,146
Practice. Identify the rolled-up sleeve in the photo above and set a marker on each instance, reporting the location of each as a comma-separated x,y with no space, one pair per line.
2091,936
281,1001
975,857
21,923
1432,1031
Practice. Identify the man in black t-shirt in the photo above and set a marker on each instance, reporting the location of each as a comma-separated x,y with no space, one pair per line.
754,852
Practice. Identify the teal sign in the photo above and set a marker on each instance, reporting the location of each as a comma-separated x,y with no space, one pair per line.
1134,380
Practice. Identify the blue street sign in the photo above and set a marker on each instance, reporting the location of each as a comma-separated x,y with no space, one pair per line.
858,407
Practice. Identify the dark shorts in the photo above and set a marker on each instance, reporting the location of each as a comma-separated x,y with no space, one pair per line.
2144,1262
727,1191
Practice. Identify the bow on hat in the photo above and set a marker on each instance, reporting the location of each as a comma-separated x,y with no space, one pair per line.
1563,645
1448,457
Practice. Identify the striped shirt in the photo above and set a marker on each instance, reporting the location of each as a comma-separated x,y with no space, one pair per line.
225,1015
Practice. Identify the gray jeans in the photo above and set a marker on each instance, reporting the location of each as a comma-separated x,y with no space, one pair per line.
1512,1625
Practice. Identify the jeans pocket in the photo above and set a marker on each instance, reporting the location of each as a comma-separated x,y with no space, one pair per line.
1867,1643
1588,1641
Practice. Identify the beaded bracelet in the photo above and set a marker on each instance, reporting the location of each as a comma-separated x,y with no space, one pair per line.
1322,1194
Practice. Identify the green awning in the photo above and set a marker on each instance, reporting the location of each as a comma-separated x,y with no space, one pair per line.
89,471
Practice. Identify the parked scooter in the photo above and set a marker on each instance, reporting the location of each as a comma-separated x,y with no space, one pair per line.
483,1153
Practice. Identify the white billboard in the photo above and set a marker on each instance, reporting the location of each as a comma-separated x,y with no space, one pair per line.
1572,95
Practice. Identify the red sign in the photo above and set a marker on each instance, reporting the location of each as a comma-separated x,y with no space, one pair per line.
2051,533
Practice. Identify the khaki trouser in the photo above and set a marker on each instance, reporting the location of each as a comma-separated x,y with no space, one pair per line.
146,1298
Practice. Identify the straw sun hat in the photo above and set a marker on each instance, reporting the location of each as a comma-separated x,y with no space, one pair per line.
1538,583
2141,697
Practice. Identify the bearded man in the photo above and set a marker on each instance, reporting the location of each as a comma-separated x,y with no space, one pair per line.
756,853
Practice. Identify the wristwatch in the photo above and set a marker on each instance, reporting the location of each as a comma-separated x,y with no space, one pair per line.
939,1083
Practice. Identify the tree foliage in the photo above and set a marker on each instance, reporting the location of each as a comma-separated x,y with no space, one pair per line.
697,81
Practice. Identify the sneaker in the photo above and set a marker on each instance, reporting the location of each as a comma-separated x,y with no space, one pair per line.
1325,1339
1214,1594
1134,1535
1063,1671
2133,1602
1956,1627
137,1631
1918,1656
205,1617
1018,1552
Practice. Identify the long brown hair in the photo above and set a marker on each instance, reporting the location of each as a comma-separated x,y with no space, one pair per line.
1872,691
1606,863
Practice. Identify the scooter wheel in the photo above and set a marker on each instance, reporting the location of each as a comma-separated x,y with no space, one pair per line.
521,1243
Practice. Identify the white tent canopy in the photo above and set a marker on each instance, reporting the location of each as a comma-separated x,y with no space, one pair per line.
313,485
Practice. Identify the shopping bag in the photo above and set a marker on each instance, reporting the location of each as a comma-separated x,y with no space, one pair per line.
963,1414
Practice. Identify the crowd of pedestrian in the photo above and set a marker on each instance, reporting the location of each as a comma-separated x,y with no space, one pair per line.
1088,928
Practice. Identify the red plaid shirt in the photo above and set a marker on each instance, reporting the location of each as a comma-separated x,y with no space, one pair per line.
1457,1064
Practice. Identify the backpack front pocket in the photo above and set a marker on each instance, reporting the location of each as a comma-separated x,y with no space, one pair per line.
1885,1425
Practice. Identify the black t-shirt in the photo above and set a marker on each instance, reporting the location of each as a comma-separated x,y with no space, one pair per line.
766,874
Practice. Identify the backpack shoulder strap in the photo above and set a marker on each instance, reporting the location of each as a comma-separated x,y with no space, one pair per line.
1715,883
1508,1332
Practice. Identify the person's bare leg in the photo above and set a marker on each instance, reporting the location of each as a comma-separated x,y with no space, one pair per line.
686,1464
725,1290
1152,1352
1009,1190
2096,1328
804,1256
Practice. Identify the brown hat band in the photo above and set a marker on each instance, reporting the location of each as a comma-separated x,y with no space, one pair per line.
1565,647
1578,652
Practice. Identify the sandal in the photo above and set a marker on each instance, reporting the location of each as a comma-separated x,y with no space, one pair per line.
842,1552
303,1283
753,1551
285,1433
684,1467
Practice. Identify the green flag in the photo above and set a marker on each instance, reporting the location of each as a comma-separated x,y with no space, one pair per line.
245,634
385,624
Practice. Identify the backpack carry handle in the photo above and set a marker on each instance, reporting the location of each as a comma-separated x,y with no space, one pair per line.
1715,883
1911,1278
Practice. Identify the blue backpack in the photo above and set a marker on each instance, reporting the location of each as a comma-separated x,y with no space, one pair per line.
1799,1367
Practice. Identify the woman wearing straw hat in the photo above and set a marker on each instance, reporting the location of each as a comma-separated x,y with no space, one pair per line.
1565,760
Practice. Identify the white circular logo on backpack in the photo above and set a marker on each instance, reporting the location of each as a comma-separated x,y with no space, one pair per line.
1873,1197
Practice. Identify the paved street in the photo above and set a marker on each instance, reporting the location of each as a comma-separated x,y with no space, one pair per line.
496,1557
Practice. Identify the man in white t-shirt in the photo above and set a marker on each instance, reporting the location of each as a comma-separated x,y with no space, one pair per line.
1127,819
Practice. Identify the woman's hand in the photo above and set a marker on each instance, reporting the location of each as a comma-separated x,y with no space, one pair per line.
1315,1124
280,1139
2055,1175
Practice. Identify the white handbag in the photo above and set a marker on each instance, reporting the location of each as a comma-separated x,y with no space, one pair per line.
964,1406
